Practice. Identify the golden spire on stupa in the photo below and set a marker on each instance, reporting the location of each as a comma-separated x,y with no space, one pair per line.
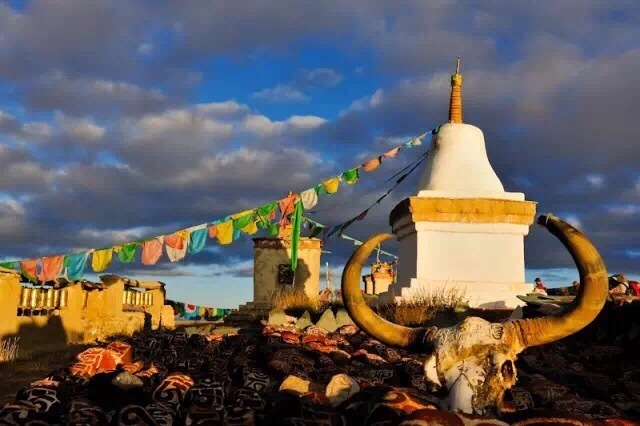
455,103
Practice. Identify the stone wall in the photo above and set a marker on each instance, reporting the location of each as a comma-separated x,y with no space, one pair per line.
89,313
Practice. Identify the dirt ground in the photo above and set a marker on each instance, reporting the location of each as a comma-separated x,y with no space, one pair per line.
31,367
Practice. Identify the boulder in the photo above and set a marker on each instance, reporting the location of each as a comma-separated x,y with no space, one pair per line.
116,389
304,321
277,316
299,387
343,318
340,388
327,321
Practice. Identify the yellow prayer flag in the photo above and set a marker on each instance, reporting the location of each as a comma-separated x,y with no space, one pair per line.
331,185
225,232
251,228
101,259
238,215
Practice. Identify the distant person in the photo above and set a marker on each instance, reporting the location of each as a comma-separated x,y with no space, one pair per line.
540,288
618,284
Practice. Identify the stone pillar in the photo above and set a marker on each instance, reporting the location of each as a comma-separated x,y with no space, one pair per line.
72,315
9,299
270,253
156,306
368,284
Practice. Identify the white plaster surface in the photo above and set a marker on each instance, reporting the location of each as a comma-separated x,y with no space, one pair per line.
458,166
483,261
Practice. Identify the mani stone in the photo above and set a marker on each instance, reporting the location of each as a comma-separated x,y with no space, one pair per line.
340,388
278,317
327,321
343,318
297,386
304,321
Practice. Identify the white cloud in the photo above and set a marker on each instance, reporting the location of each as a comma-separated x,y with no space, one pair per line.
225,109
263,126
280,93
82,95
596,180
145,48
81,129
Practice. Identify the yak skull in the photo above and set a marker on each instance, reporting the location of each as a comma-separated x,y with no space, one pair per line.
473,362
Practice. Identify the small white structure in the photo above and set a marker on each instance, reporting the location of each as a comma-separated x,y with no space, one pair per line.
462,232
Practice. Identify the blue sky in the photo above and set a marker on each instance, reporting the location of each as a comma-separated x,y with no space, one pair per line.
122,120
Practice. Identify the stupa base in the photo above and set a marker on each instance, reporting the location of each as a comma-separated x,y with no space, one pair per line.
486,295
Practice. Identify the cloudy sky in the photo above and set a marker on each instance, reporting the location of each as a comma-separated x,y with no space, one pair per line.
121,120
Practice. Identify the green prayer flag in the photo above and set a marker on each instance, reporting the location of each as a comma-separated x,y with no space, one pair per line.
263,222
351,176
9,265
320,190
273,229
264,214
127,252
242,221
295,234
267,209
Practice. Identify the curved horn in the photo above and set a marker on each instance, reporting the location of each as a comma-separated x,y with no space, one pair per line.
591,297
364,317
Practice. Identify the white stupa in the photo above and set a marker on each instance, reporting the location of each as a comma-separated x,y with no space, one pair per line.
462,232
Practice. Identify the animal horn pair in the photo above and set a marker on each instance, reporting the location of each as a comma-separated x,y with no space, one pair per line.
591,297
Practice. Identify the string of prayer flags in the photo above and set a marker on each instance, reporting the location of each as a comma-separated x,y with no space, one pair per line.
287,205
251,228
359,243
331,186
309,198
151,250
240,220
213,231
197,239
416,142
392,152
317,228
127,252
51,268
351,176
75,265
188,311
244,222
348,223
266,213
176,245
30,269
227,230
372,164
101,259
9,265
273,229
